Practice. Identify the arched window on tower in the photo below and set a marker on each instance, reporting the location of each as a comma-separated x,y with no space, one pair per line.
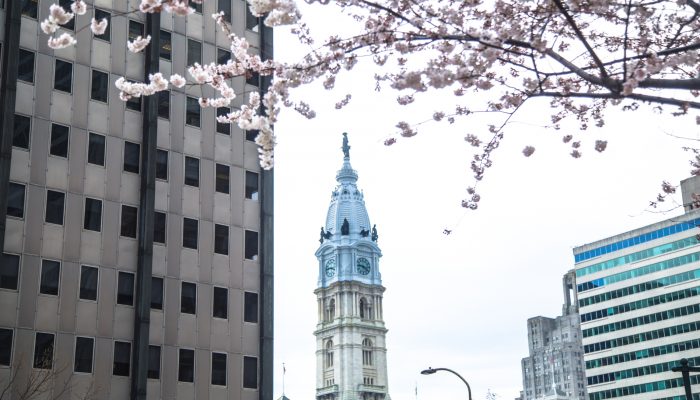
367,352
329,354
365,309
330,310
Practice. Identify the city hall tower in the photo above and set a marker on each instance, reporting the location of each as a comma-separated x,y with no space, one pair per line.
350,335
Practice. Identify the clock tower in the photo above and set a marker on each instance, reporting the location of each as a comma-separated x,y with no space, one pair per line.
350,334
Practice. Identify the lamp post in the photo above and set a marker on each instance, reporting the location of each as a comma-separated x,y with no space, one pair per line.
685,370
432,370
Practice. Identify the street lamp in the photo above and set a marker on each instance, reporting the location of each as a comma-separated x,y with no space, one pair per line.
432,370
685,370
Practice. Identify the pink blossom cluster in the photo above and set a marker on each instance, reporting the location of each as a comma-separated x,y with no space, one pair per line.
58,16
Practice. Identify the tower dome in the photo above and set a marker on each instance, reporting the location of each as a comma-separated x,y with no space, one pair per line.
347,203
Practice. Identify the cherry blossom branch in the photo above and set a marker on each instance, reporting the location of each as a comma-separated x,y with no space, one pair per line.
635,96
582,38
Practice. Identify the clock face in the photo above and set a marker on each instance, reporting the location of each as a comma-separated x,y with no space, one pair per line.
330,267
363,266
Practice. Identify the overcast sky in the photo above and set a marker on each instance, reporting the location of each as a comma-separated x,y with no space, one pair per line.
459,301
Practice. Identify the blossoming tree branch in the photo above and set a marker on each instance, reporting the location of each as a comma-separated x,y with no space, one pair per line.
582,56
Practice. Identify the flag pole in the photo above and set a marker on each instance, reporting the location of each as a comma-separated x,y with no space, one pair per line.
284,371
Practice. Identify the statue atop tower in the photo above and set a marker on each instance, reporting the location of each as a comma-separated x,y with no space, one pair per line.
350,313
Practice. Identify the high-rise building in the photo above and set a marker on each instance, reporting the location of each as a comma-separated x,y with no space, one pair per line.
638,296
554,368
350,334
137,258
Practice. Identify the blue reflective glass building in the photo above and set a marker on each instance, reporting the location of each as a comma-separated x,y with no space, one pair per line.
639,299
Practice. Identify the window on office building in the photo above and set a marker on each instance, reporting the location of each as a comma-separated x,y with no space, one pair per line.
222,178
250,307
21,131
25,64
191,171
136,29
156,293
185,370
251,245
188,298
50,277
153,362
9,271
63,76
222,56
134,103
251,185
54,207
122,358
252,78
193,112
93,215
132,157
251,21
218,369
164,104
251,135
190,233
29,8
222,127
125,288
194,52
162,164
221,239
220,308
15,200
59,140
159,227
128,223
96,149
166,46
100,86
84,349
88,283
43,350
65,4
99,16
250,372
6,346
225,7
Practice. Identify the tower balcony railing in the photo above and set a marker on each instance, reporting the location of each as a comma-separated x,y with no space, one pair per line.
327,390
371,388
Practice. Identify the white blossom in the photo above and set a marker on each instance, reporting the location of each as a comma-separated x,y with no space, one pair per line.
150,6
177,80
61,42
138,44
98,28
79,7
58,15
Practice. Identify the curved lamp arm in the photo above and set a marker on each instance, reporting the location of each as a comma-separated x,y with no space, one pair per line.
432,370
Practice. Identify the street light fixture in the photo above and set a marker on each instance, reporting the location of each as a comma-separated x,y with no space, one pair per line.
432,370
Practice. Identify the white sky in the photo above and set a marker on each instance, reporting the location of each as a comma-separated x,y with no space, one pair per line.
459,301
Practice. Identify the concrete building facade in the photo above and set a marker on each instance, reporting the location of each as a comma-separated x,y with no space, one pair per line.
137,259
350,334
554,370
638,297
